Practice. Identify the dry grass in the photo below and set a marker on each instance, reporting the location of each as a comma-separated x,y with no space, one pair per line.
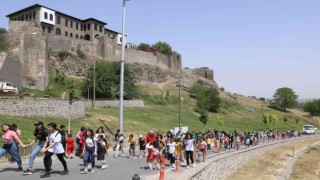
271,164
308,165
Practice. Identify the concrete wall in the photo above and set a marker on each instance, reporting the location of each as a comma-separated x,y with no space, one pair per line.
115,104
10,71
41,108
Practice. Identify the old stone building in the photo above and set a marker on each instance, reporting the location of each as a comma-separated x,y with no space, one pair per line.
58,23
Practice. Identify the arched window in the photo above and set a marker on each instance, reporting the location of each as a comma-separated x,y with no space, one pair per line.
77,36
45,15
87,37
58,20
51,17
66,33
58,31
71,35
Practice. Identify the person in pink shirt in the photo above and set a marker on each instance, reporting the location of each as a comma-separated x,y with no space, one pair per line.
9,146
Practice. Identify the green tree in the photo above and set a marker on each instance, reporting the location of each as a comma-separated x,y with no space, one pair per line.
285,119
72,97
108,81
273,119
285,98
4,44
220,121
203,117
144,47
265,119
313,107
207,98
162,46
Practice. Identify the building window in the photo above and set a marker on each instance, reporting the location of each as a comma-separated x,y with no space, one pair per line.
81,27
34,15
15,19
77,36
27,17
58,20
100,28
45,15
95,27
87,37
18,18
71,24
77,26
22,17
30,15
66,23
51,17
43,28
66,33
71,35
58,31
80,37
84,27
89,27
49,29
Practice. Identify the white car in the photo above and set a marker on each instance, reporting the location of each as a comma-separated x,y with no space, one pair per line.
8,88
309,129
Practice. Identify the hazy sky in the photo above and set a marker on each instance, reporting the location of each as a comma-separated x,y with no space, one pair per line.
253,46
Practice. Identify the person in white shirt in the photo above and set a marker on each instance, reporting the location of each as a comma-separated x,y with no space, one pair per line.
189,149
89,150
53,146
171,148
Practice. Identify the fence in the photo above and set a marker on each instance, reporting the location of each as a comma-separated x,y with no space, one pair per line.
24,153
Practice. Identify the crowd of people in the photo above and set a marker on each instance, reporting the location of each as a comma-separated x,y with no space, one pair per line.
189,147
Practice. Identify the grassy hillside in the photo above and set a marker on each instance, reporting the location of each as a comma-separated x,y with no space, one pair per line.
161,113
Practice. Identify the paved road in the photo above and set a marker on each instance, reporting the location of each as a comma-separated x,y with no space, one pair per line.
121,168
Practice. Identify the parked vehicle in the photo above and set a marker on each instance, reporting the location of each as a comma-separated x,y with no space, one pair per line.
8,88
309,129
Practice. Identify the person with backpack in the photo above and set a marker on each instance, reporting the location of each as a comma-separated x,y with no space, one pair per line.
53,146
40,136
89,150
119,145
102,151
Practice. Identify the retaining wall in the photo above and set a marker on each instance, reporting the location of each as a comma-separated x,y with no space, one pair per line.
115,103
41,108
227,164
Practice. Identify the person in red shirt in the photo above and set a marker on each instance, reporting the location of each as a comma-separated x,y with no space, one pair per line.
149,140
70,146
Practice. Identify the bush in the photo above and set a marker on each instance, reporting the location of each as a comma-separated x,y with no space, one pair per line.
59,77
313,107
4,44
81,54
207,98
63,54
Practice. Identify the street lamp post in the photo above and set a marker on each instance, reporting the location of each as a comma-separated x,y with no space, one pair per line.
122,67
179,77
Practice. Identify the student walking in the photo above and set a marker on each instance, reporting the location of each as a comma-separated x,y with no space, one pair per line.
102,151
189,150
89,150
9,146
171,148
54,146
132,146
40,136
142,146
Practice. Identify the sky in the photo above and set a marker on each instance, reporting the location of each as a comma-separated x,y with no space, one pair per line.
254,47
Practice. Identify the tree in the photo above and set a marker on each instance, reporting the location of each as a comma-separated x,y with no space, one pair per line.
162,46
4,44
265,119
285,98
313,107
108,81
285,119
144,47
203,117
297,120
220,121
273,119
207,98
72,97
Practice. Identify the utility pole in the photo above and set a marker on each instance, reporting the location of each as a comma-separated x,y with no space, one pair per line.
262,114
179,78
94,83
